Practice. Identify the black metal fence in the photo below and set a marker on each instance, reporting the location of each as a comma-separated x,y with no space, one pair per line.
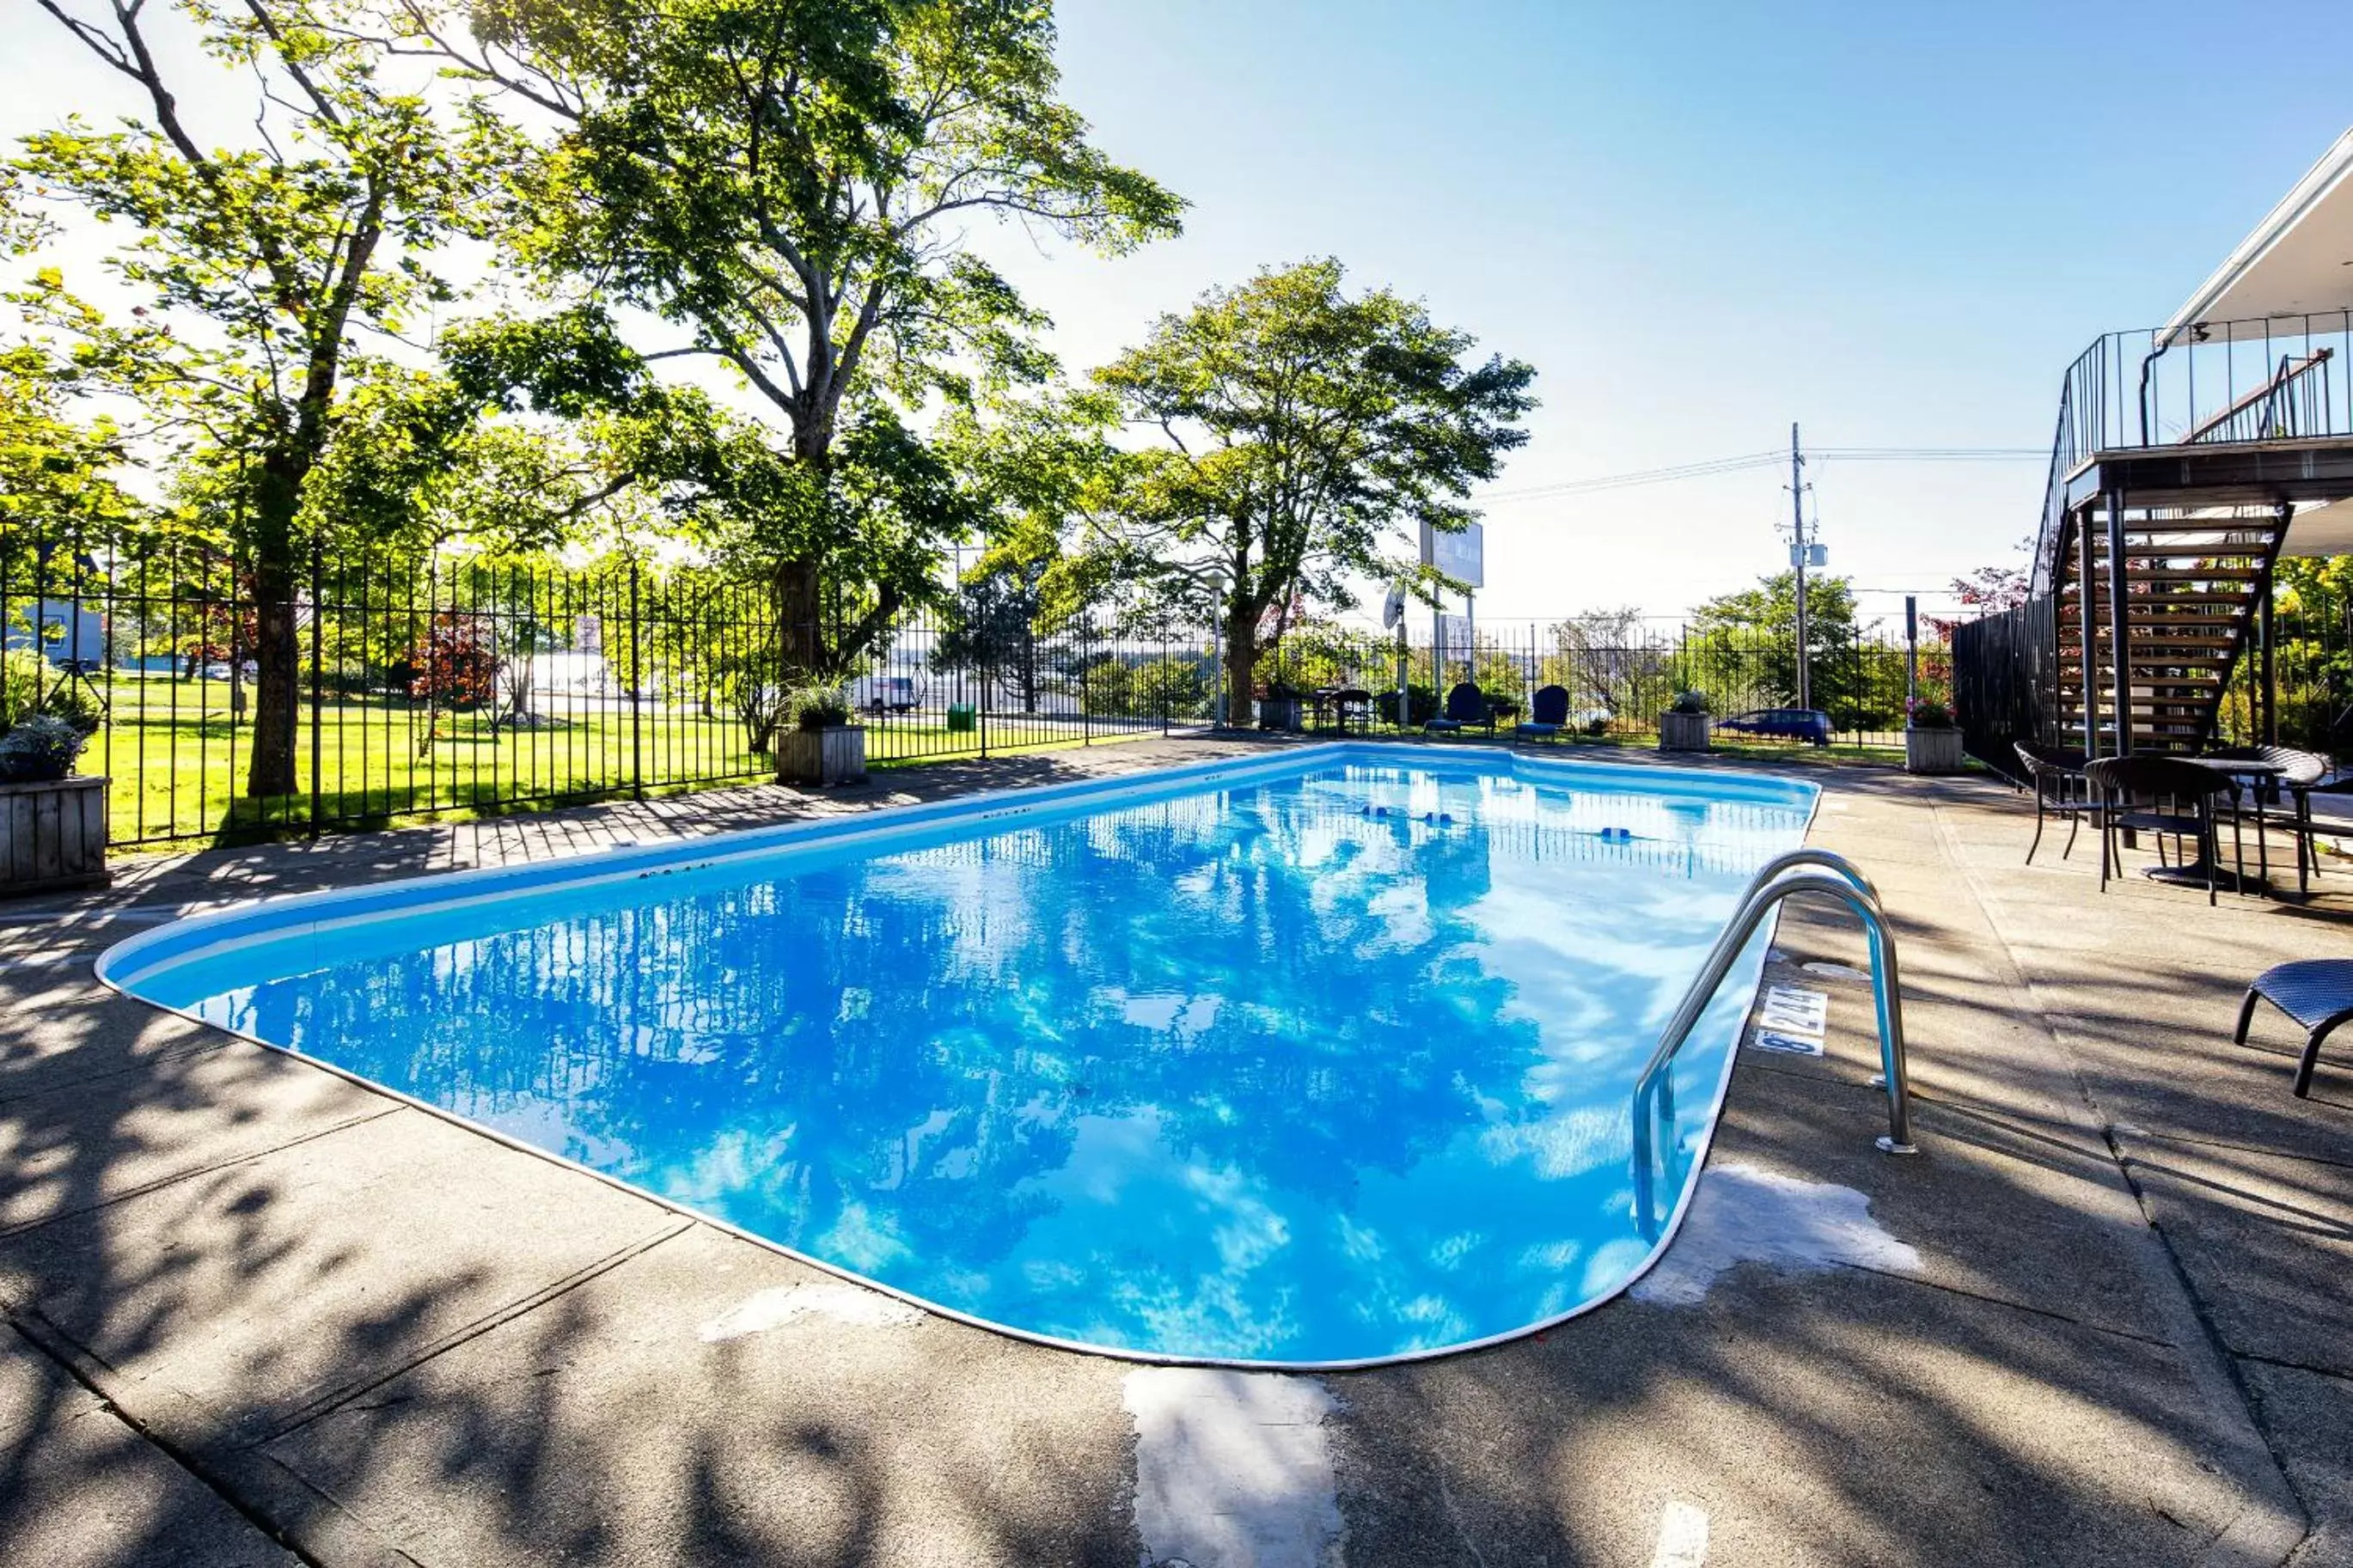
405,687
1623,672
484,685
2006,682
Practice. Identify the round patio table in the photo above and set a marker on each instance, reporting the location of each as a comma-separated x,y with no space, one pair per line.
2231,880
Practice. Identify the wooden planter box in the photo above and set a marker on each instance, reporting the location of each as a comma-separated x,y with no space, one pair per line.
1684,732
835,756
1932,750
52,835
1280,713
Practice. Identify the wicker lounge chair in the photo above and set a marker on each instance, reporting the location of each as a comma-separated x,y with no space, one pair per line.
2317,993
1548,716
2059,790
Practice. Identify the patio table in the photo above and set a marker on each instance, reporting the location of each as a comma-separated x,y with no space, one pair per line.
2235,879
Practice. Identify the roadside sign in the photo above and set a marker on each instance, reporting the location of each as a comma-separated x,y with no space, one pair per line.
1461,556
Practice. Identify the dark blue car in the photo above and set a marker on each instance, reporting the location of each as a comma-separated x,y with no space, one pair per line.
1782,723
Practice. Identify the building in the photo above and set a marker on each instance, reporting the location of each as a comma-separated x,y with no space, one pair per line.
2188,461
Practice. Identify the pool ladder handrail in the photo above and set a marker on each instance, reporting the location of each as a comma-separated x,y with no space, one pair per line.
1784,877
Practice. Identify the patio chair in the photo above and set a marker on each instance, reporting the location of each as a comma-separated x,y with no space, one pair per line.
2154,792
2298,780
1465,706
1353,702
1548,716
2315,993
2059,790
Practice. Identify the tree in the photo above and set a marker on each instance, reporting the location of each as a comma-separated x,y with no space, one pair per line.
1298,430
260,265
1607,658
786,181
1743,651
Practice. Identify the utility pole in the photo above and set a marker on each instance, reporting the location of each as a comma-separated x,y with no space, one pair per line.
1797,558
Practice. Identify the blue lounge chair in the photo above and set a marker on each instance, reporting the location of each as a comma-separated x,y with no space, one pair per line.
1548,716
1465,707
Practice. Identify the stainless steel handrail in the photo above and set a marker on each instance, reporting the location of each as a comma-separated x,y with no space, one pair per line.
1782,878
1798,871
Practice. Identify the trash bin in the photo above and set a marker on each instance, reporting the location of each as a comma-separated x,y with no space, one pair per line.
962,718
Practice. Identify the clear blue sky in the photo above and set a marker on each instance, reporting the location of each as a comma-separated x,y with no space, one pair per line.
1894,223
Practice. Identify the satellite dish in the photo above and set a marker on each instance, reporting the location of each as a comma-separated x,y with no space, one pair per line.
1393,609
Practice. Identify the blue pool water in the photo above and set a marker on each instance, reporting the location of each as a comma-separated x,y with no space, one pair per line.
1318,1059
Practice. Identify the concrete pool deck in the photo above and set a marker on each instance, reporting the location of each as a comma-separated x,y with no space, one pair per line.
259,1314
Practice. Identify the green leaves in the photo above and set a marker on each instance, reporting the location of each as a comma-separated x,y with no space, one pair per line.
790,180
1300,432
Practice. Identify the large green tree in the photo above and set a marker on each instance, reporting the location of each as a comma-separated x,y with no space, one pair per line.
261,265
1299,434
789,181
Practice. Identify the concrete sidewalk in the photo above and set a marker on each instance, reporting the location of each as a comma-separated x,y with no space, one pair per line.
2100,1319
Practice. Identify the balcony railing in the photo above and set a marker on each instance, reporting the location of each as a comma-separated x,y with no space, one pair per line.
2281,378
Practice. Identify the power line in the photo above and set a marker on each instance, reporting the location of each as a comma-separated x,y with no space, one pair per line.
1643,476
1711,466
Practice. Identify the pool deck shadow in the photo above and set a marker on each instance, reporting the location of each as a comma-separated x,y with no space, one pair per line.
257,1313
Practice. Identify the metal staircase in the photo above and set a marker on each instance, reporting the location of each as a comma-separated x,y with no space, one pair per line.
2191,583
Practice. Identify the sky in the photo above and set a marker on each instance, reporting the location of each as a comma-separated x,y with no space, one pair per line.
1892,225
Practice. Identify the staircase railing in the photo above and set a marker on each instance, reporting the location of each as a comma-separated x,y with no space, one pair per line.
2272,379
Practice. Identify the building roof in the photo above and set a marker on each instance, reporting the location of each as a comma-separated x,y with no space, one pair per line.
2297,262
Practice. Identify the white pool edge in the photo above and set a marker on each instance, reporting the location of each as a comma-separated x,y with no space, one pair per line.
980,805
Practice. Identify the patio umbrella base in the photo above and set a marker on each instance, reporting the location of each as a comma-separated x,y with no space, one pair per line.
2225,880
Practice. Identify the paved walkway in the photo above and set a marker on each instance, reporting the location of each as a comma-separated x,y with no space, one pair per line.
259,1314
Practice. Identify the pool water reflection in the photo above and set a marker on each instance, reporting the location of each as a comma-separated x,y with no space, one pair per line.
1326,1066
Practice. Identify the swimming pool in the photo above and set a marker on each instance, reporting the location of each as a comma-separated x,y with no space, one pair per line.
1316,1058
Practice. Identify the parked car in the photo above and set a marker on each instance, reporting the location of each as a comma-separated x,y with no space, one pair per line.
1781,723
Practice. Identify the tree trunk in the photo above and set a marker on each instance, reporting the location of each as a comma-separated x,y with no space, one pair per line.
800,640
277,646
1241,664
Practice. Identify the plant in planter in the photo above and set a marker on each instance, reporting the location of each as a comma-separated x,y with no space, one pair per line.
52,825
1932,741
1685,726
40,748
823,746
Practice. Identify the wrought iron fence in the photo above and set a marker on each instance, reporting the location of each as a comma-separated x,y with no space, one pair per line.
485,684
1621,672
409,688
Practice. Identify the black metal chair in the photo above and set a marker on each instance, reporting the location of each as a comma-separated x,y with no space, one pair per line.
2059,790
2154,792
1548,716
1353,704
2317,993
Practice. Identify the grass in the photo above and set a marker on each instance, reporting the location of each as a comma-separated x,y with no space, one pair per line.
178,754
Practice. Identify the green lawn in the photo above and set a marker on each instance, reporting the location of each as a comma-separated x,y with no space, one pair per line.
177,753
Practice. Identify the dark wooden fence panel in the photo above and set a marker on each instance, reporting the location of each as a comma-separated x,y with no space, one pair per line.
2006,682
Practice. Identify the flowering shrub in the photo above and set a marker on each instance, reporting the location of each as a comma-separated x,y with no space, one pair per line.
455,665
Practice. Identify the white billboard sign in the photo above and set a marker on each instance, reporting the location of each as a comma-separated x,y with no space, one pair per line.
1461,556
